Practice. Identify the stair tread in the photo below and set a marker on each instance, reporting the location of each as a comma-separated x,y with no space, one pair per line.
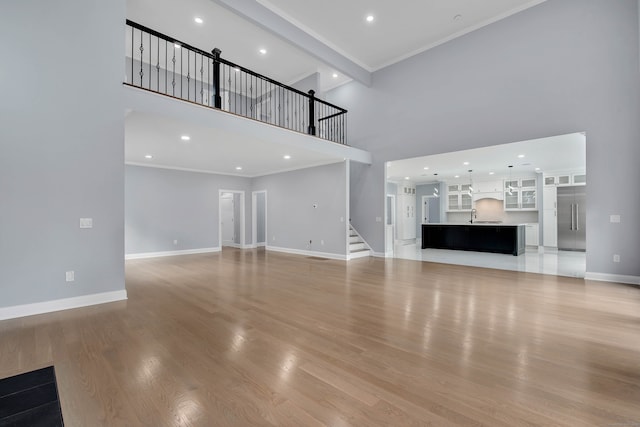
359,250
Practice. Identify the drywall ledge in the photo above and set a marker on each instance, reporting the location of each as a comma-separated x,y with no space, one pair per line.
61,304
617,278
171,253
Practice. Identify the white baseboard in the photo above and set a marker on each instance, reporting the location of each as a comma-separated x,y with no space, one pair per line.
61,304
307,253
382,254
171,253
617,278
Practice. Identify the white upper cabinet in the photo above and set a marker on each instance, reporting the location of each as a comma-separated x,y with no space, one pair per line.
520,194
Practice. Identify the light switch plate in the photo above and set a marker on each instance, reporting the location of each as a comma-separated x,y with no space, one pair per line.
86,222
614,219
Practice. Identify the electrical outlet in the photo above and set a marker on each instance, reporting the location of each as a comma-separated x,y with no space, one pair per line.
615,219
86,222
70,276
322,242
378,219
273,238
175,242
616,258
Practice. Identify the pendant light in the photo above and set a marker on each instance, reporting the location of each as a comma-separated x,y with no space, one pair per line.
470,182
510,187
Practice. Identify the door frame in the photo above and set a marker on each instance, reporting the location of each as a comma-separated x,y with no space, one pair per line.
254,218
242,218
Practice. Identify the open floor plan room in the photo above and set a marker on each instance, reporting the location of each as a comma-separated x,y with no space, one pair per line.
256,338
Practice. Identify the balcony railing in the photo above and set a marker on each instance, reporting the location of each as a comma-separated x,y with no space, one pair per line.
164,65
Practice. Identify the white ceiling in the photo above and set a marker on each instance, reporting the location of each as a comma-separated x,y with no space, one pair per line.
239,40
558,153
210,149
401,28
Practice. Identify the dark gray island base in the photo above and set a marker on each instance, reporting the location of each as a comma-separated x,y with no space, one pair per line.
498,238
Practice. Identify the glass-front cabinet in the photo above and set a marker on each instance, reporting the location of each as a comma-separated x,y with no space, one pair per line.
520,194
511,200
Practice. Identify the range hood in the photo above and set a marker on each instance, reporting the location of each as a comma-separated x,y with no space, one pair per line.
497,195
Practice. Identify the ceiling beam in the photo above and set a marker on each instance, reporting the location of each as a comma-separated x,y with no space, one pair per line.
275,24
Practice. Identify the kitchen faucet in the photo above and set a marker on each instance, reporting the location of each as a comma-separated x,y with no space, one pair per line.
474,214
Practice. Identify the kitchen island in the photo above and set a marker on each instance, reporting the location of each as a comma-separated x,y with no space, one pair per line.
498,238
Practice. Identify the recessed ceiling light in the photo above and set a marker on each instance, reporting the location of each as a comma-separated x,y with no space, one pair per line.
457,176
148,156
521,156
491,173
287,157
466,163
406,177
238,168
185,137
263,51
334,75
537,169
176,45
370,18
426,168
198,20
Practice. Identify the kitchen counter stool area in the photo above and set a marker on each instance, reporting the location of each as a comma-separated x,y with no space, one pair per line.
497,238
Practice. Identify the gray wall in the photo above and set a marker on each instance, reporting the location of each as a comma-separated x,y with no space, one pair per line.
61,149
164,205
291,218
260,215
560,67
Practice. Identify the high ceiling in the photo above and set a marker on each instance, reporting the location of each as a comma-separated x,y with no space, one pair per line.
400,28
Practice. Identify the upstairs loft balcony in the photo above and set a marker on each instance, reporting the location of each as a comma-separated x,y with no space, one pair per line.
167,66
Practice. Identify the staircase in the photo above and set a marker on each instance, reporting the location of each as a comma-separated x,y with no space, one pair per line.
357,246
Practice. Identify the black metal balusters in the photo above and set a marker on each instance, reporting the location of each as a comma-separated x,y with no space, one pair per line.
225,85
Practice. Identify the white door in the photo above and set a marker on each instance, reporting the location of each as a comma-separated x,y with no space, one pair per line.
425,209
227,224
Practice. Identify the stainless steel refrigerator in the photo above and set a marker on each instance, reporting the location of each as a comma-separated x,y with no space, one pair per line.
572,218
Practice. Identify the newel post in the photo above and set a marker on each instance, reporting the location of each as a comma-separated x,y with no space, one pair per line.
312,113
217,99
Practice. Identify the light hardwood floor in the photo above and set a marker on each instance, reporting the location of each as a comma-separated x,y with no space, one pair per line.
248,338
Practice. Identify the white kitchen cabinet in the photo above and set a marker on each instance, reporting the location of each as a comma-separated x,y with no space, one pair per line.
531,234
520,194
549,217
459,198
406,213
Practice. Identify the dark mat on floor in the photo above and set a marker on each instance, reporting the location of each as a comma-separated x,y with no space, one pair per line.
30,399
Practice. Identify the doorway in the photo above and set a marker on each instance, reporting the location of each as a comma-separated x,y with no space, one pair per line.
259,216
390,227
231,214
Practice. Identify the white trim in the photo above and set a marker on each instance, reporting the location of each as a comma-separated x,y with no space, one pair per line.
617,278
61,304
382,254
254,218
347,205
171,253
307,253
242,243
